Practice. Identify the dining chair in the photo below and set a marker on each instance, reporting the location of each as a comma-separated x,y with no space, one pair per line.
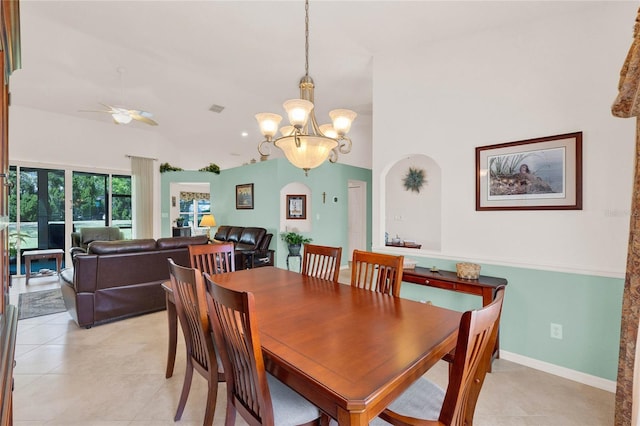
212,258
260,398
322,262
476,339
191,307
209,258
377,272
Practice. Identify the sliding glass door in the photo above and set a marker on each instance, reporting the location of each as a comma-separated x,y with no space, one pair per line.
39,221
37,207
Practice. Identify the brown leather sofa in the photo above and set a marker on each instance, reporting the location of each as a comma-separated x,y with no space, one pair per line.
251,245
119,279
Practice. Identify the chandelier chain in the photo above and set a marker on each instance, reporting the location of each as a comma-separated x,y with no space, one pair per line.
306,38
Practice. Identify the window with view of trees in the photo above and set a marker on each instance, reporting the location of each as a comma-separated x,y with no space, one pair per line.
91,205
40,219
121,203
37,206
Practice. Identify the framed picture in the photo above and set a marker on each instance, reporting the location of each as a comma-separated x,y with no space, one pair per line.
244,196
296,206
534,174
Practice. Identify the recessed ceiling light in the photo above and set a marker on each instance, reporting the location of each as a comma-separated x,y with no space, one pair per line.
244,134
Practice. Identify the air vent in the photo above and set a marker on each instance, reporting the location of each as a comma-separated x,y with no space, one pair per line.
216,108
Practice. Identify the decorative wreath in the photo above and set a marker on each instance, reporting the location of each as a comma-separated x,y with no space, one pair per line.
414,180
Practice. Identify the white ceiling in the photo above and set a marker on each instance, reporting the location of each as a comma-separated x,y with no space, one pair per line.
181,57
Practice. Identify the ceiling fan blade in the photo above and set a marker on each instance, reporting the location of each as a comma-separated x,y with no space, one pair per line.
94,110
111,109
137,115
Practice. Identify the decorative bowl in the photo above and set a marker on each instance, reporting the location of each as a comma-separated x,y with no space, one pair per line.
469,271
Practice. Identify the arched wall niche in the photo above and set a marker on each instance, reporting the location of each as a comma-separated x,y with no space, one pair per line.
414,215
298,225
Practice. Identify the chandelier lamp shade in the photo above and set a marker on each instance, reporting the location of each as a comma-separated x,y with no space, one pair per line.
305,143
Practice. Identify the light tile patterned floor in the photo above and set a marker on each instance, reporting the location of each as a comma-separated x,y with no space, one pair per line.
113,374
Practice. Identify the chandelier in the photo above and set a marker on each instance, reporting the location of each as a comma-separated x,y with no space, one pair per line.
306,144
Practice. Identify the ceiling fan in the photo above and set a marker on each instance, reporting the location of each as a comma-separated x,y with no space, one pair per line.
122,115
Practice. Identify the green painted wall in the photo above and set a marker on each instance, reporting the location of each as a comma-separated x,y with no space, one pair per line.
329,219
588,308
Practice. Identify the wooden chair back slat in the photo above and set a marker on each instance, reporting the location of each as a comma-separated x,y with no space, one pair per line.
212,258
322,262
377,272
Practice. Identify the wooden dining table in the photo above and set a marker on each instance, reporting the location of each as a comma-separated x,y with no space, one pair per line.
349,351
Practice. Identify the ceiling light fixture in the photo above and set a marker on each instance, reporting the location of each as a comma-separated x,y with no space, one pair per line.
305,144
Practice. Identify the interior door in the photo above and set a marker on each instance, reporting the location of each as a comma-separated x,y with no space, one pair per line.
357,207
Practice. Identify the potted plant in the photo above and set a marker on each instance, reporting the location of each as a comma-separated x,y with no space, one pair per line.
179,221
14,237
294,242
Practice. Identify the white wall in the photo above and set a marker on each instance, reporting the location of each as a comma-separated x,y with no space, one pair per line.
550,77
295,225
404,209
66,142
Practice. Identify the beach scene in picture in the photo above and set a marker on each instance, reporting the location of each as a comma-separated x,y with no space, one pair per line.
529,174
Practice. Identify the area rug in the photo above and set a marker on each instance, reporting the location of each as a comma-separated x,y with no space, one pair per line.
38,303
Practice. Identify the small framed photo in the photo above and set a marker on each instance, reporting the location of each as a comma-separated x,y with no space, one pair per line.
244,196
533,174
296,206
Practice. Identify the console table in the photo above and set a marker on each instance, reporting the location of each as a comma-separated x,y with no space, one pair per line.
484,286
41,254
181,231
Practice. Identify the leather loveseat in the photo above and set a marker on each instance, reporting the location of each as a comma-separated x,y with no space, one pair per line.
119,279
251,245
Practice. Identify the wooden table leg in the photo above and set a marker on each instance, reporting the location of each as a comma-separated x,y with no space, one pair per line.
58,263
27,267
172,318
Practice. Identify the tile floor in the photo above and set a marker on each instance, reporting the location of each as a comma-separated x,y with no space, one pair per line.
113,374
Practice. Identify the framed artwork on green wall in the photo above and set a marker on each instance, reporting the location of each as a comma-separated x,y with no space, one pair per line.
296,206
244,196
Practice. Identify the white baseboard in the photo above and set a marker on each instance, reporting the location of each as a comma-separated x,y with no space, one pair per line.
576,376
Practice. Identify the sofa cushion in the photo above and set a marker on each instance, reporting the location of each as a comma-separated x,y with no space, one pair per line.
100,233
222,233
123,246
234,234
251,237
179,242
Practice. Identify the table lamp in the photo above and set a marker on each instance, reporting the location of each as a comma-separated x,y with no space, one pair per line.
208,220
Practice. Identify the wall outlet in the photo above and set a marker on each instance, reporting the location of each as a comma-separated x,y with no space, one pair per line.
556,331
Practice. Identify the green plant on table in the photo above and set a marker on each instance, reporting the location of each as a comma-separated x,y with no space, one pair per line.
293,238
14,237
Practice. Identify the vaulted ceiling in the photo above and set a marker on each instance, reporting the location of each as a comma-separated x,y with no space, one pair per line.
182,57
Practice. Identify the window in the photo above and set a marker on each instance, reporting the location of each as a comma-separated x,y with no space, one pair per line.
193,205
37,207
121,204
36,211
90,199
